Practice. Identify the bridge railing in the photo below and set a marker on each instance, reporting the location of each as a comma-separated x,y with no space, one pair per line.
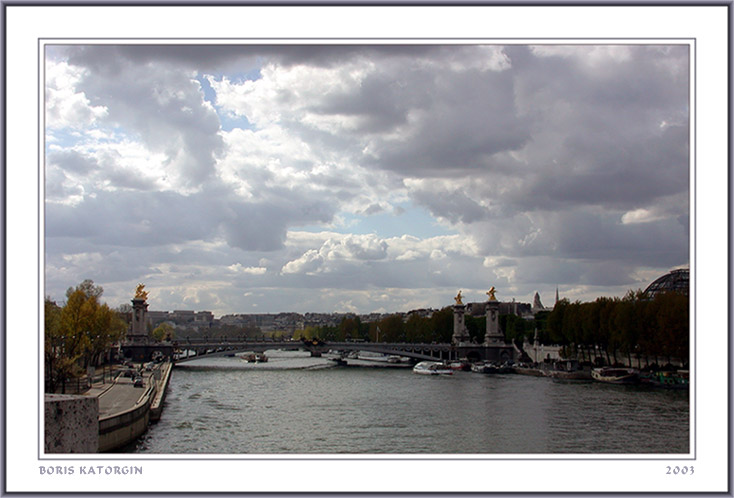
219,345
246,340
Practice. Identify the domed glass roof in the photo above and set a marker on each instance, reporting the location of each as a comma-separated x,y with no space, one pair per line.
676,280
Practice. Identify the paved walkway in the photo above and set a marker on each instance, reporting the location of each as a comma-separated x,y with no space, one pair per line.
120,395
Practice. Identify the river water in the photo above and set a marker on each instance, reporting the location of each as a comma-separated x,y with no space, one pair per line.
295,404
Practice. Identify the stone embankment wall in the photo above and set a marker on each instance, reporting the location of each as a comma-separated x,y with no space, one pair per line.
71,424
543,352
125,427
161,375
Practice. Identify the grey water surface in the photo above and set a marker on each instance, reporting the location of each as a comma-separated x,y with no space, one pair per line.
294,404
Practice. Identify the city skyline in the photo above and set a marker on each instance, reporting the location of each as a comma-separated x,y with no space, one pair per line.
364,178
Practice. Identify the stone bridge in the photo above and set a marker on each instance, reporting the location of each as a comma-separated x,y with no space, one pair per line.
207,348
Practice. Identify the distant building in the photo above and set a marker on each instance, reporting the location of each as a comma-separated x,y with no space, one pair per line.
674,281
157,317
505,308
182,316
423,313
537,305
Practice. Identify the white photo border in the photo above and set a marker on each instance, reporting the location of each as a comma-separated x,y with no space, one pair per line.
29,28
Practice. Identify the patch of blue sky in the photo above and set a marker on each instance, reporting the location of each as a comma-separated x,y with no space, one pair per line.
62,137
410,220
228,121
68,137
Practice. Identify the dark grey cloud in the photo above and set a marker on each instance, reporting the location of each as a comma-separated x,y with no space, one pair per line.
72,161
145,219
214,57
137,219
263,226
586,236
455,207
466,119
619,174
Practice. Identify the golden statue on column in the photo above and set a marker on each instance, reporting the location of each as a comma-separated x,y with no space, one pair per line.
458,299
140,293
490,293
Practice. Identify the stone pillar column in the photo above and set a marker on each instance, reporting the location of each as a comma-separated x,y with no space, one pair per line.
493,334
139,332
460,332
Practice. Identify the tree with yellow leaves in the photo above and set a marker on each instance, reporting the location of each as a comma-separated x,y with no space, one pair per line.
78,333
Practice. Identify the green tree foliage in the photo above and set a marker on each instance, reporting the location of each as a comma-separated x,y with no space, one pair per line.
634,327
78,333
555,322
90,326
163,332
309,332
60,366
673,324
392,329
540,323
349,329
516,328
418,329
442,323
477,328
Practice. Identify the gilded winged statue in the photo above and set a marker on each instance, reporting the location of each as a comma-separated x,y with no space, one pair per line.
490,293
140,293
458,298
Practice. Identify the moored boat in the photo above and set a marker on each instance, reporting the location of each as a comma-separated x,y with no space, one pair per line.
613,375
666,379
507,367
567,370
432,368
256,358
485,367
525,369
460,365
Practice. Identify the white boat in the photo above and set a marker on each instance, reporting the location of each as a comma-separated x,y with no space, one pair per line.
432,368
616,375
256,358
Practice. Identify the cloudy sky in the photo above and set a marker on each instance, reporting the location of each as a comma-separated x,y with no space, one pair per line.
253,179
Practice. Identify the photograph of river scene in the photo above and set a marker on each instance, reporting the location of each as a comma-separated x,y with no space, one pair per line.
440,248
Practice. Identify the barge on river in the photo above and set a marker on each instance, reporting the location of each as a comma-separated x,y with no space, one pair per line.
432,368
612,375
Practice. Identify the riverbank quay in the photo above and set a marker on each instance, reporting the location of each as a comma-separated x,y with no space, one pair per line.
125,411
122,412
164,374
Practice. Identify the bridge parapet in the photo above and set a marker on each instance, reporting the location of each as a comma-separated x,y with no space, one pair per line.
205,347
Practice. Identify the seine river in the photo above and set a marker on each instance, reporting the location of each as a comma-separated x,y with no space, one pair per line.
295,404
